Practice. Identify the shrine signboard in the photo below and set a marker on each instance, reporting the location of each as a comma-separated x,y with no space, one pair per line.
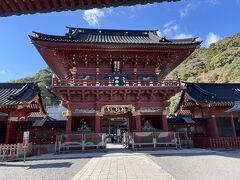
25,138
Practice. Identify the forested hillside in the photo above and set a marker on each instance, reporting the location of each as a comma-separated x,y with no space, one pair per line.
43,78
219,63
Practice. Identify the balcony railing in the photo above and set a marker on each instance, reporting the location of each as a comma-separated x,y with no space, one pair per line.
109,83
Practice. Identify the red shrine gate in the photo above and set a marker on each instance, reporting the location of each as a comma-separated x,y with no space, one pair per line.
113,75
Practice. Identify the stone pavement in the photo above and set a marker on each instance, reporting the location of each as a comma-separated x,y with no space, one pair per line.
122,167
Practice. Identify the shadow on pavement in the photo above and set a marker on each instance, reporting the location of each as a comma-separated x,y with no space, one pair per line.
40,166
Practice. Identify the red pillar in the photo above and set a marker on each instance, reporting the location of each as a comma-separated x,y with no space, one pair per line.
138,123
213,129
233,125
164,123
69,125
8,130
97,124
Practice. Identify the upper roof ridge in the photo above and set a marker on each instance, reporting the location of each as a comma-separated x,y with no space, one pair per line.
82,35
106,29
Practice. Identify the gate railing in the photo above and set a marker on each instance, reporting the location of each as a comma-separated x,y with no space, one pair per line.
107,83
217,142
66,142
152,139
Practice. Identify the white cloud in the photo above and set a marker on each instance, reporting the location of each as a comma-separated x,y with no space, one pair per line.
93,16
133,8
194,5
3,71
183,36
109,11
183,12
190,6
211,38
170,28
168,24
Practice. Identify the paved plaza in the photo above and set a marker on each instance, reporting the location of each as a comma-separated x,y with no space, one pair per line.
122,167
220,166
184,165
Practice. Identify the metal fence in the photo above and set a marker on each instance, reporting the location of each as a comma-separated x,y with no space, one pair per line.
152,139
67,142
217,142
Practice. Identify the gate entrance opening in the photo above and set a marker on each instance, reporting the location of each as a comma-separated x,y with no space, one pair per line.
114,127
116,121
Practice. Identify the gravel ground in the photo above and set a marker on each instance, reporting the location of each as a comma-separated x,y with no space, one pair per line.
41,170
210,167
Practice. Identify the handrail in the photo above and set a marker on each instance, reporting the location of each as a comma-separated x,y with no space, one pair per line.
109,83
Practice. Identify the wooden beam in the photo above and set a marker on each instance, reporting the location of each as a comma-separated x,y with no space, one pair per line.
72,3
38,4
1,10
46,4
64,4
98,2
13,6
89,2
80,2
29,5
107,2
22,5
56,3
5,6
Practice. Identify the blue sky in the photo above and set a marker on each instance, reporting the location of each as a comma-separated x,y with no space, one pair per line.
210,20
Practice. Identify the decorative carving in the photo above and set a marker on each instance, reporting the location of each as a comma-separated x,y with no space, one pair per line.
99,113
157,71
67,113
74,70
97,70
118,109
135,70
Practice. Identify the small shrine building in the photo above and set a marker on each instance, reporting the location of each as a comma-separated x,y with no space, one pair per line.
211,104
17,102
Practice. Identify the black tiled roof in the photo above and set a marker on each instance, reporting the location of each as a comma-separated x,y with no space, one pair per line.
181,120
213,92
49,123
17,93
33,119
235,108
83,35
